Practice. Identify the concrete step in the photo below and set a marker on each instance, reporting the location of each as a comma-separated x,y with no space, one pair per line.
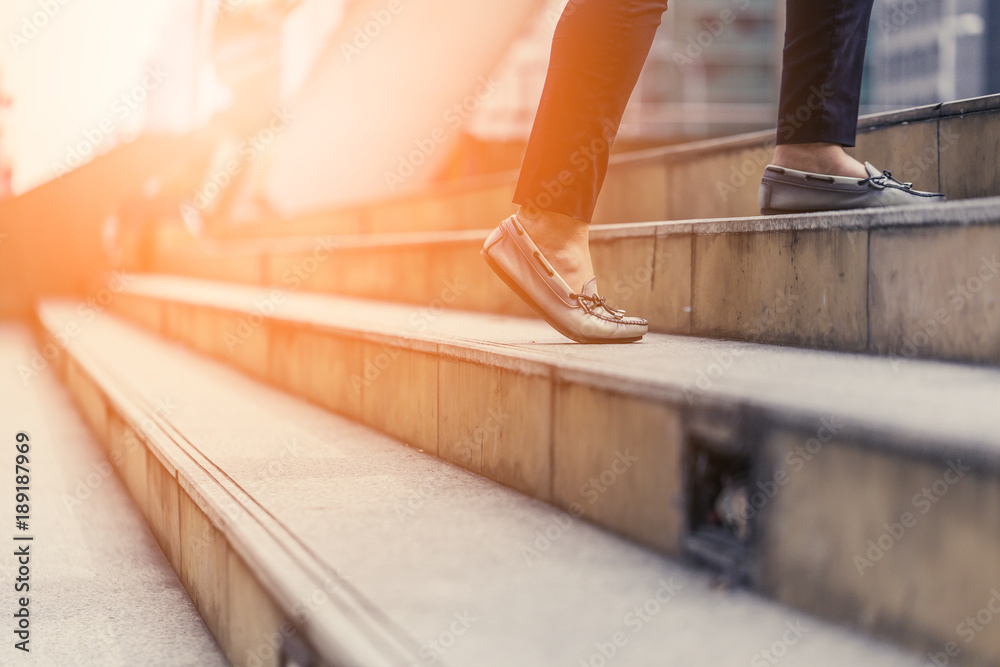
949,147
858,488
912,283
341,546
98,589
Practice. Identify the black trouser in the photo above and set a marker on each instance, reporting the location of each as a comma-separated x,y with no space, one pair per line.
598,51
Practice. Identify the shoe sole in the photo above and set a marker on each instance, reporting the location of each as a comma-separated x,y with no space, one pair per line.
541,312
779,211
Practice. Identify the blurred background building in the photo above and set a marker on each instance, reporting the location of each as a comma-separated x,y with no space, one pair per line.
714,70
926,51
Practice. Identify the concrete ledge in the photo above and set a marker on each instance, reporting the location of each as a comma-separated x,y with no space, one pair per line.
277,544
704,179
920,516
860,281
587,410
255,589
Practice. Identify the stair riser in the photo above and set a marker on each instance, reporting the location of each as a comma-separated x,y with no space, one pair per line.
500,418
615,455
954,153
908,292
899,547
204,531
244,620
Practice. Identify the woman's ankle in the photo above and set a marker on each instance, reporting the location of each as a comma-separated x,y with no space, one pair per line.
563,240
537,218
819,158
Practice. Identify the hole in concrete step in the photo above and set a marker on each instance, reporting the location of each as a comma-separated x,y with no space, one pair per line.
719,529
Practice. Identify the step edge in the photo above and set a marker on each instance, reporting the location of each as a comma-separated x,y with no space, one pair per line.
959,213
247,532
904,438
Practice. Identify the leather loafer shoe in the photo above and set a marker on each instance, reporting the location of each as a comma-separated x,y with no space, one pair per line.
583,316
784,190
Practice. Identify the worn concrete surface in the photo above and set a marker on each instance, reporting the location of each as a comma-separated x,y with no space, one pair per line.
474,573
101,591
916,401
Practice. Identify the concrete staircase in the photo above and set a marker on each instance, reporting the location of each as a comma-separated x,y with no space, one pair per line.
85,572
853,475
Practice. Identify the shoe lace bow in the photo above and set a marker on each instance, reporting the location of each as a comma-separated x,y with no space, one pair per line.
885,180
596,301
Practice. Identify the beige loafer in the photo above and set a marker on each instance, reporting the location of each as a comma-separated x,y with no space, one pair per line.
784,190
584,317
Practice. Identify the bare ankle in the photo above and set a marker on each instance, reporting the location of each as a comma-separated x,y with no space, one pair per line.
820,157
538,218
563,240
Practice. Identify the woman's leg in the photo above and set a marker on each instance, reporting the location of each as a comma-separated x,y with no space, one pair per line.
597,53
824,58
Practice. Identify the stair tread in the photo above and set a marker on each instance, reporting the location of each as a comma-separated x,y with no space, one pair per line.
92,556
339,489
912,401
952,213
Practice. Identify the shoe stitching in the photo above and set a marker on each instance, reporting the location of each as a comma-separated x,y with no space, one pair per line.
522,251
537,255
807,186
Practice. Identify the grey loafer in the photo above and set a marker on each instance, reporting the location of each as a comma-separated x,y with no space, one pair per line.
584,317
784,190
